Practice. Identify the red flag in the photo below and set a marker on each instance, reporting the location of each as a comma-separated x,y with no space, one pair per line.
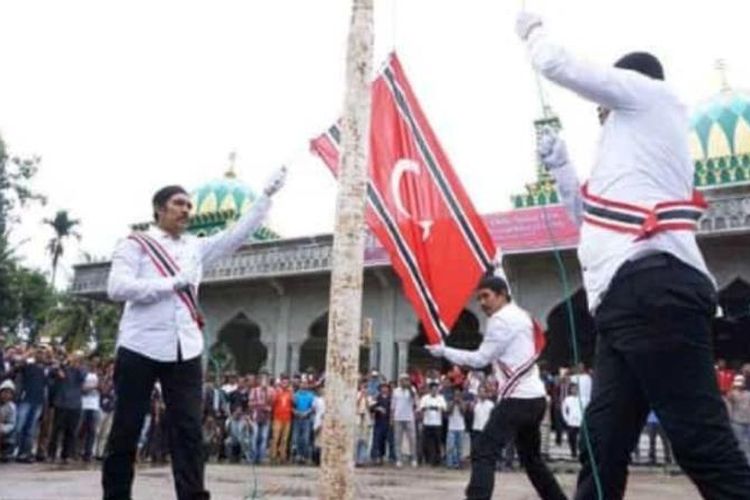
438,244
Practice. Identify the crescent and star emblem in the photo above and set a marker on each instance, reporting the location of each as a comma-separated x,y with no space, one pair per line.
402,166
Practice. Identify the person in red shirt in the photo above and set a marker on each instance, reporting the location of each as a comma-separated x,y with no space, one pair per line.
282,421
724,376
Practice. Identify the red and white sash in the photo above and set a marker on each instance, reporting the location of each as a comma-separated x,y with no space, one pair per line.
642,222
513,377
167,267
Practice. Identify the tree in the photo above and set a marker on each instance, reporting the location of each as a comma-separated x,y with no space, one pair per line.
79,323
63,226
15,175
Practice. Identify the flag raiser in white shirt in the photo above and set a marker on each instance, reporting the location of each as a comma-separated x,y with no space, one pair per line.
642,159
508,345
155,321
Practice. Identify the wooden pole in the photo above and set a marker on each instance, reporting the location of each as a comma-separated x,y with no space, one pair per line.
345,309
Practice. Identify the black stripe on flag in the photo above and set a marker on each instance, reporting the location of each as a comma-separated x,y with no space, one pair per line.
442,183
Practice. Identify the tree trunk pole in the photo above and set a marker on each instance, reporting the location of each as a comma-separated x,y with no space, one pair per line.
345,309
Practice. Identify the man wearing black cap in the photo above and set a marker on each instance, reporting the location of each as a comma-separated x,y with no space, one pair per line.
511,347
647,284
156,274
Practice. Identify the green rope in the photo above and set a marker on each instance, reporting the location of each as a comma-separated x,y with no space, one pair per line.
563,273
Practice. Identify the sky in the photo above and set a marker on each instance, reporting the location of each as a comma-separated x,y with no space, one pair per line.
120,98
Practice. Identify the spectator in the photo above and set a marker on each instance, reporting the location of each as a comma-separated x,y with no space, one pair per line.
32,391
739,412
381,416
432,406
214,400
303,420
364,424
572,414
7,420
237,442
373,384
482,409
91,407
67,403
282,421
456,429
260,401
319,411
724,376
403,406
653,429
211,438
107,404
582,379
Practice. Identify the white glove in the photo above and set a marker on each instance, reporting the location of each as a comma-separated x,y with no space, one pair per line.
184,279
436,350
526,22
275,182
552,149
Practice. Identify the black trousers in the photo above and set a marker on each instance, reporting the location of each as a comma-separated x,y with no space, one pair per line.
573,441
89,422
654,351
431,437
518,420
181,384
65,425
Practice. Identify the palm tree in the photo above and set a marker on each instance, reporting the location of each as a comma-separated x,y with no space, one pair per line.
63,226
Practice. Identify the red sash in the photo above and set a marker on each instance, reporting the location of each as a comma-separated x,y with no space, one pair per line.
513,377
626,218
167,267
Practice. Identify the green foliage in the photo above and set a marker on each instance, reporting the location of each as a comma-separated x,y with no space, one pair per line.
63,226
79,323
21,291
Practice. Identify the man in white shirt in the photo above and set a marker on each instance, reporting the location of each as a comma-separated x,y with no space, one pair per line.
91,411
456,429
583,382
572,412
482,408
403,403
432,406
509,346
648,287
157,274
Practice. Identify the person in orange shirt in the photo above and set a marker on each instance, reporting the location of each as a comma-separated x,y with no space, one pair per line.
282,421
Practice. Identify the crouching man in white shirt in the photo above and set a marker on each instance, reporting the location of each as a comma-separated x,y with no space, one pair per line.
156,274
510,348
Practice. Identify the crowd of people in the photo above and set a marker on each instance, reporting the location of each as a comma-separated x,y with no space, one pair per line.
57,406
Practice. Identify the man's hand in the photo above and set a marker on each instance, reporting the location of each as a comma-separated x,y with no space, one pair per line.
552,150
526,22
276,182
436,350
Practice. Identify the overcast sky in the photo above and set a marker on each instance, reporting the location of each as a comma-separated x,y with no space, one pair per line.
119,98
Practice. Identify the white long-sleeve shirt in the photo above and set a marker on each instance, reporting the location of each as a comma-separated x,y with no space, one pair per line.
642,159
155,321
508,346
571,411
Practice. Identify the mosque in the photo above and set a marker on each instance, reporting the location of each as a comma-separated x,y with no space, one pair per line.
266,306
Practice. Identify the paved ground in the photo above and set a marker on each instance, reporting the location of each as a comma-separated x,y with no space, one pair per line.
236,482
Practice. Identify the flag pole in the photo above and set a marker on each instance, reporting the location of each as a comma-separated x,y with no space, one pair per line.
345,308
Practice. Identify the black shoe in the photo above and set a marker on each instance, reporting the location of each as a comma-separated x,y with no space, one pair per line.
25,460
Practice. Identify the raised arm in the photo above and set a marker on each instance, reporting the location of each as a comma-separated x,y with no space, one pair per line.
611,87
554,156
229,240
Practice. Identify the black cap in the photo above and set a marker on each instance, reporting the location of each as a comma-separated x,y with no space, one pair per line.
642,62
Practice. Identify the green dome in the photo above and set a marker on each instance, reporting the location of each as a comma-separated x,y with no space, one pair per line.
720,126
222,195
